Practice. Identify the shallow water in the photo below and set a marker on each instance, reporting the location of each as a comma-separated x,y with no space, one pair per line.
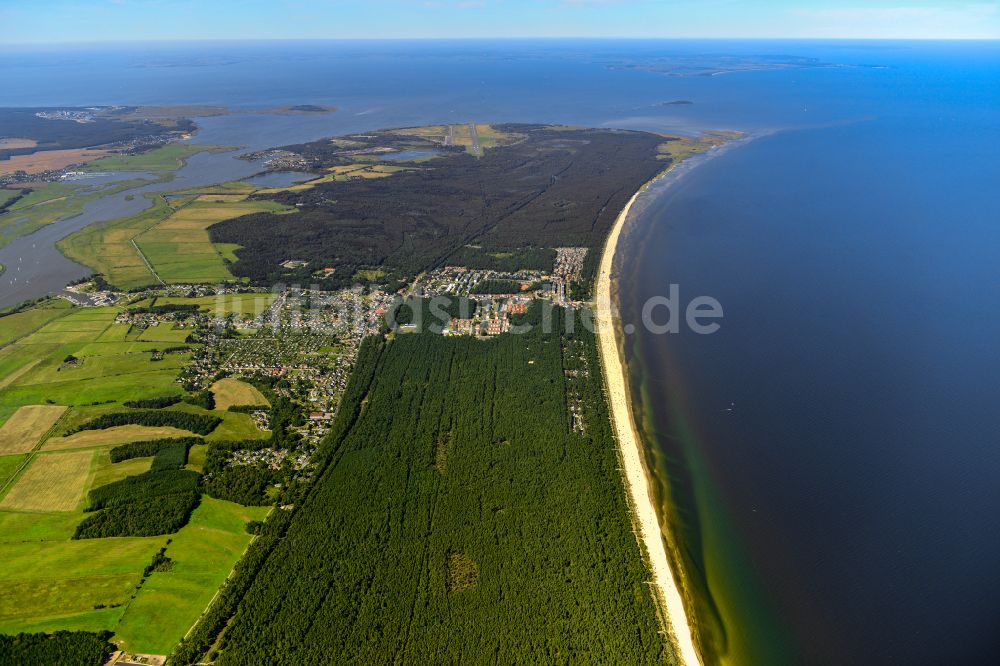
35,267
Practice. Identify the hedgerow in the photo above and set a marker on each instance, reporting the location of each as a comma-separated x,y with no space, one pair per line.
196,423
153,403
147,448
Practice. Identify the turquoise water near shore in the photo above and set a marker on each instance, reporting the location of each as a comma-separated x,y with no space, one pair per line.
831,453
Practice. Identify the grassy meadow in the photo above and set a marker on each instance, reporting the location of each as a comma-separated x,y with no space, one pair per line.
203,553
231,392
61,366
243,305
165,158
171,236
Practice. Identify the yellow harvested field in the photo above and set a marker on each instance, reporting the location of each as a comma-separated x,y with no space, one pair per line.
427,130
47,160
210,214
52,482
110,436
309,184
341,174
222,198
347,168
26,426
229,392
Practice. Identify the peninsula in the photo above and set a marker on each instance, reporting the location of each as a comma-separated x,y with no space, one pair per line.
177,391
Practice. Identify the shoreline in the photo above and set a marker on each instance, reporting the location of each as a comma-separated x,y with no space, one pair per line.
644,516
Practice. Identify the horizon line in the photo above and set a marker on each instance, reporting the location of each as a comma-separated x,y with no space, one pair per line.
183,40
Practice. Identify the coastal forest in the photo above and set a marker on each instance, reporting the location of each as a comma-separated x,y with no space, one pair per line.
469,509
541,187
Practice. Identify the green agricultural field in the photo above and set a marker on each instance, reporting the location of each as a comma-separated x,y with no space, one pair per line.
108,248
179,248
165,334
228,251
19,324
56,583
202,554
232,187
8,465
50,582
25,527
244,305
196,458
235,426
165,158
171,236
35,371
108,472
6,195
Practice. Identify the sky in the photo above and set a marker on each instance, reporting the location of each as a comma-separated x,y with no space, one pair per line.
47,21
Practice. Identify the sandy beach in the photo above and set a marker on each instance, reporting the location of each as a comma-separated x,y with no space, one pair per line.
644,515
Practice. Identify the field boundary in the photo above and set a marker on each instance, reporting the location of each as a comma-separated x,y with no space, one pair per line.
144,259
28,457
32,331
46,493
17,374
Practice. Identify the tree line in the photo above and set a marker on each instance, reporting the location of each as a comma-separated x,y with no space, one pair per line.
163,514
66,648
150,447
153,403
197,423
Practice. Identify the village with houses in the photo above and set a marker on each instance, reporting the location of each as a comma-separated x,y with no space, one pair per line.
303,342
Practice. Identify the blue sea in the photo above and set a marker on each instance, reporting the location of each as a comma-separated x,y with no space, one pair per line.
830,458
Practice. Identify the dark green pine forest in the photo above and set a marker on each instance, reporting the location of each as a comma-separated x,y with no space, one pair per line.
461,515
